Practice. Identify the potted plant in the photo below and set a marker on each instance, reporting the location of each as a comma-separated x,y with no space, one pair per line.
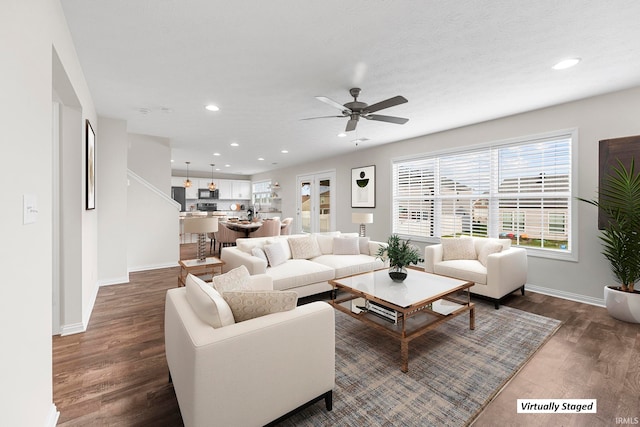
619,201
400,253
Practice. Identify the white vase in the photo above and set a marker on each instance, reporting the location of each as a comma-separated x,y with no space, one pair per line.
622,305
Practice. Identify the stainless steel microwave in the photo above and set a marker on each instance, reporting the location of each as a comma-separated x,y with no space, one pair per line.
205,193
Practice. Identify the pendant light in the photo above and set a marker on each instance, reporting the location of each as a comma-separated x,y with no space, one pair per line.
212,185
187,183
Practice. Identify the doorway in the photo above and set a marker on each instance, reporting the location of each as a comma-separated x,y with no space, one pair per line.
316,202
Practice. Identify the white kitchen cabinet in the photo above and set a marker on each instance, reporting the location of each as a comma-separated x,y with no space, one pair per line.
241,189
226,189
190,192
177,181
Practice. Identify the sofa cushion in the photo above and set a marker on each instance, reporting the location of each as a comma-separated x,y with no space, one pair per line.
458,248
275,254
236,279
488,249
346,265
247,245
207,303
363,242
325,243
299,272
247,305
471,270
345,246
304,247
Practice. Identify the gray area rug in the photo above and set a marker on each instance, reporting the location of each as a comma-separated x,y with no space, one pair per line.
454,372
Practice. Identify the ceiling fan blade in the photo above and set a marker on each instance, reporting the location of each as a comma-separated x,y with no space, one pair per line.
321,117
351,125
389,119
396,100
333,103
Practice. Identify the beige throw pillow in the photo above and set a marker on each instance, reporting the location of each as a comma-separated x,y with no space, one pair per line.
346,246
275,254
207,303
236,279
304,247
488,249
325,243
458,248
247,305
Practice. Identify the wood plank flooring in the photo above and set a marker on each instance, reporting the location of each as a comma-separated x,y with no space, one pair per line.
115,373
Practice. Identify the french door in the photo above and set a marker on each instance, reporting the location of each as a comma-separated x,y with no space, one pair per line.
316,202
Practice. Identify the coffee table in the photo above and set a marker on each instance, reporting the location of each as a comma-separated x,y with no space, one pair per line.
205,269
421,303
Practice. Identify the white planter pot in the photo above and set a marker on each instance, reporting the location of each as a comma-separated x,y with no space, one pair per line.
622,305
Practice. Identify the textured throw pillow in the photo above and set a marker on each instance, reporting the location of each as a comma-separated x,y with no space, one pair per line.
458,248
259,252
346,246
275,254
236,279
488,249
364,245
207,303
247,305
304,247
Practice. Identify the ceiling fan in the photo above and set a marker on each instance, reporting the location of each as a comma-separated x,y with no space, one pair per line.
355,109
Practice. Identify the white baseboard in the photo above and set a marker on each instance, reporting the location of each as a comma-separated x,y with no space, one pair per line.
73,328
566,295
54,414
114,281
152,267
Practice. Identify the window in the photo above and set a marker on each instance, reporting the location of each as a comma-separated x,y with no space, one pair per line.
519,190
261,195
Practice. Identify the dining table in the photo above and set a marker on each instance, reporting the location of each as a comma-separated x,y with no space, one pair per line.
245,227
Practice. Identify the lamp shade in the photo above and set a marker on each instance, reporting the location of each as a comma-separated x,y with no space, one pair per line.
361,218
200,225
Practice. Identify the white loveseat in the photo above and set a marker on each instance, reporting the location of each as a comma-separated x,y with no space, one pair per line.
252,372
307,275
496,268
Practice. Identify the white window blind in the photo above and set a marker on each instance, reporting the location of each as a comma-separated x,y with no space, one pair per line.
520,191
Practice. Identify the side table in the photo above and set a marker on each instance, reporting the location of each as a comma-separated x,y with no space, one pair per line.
206,268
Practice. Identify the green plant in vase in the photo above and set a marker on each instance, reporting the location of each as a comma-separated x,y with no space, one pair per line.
400,254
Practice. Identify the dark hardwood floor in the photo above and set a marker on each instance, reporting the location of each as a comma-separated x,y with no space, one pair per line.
115,373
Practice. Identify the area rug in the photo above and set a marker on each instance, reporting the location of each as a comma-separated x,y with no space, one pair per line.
454,372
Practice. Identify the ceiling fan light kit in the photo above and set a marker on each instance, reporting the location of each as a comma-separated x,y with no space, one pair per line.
355,109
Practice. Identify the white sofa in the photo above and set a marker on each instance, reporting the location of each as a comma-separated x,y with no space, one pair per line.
496,268
306,276
252,372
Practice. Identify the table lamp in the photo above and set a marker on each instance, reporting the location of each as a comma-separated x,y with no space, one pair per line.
362,218
201,226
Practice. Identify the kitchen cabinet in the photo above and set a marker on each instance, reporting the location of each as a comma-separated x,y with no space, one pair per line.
190,192
241,189
225,190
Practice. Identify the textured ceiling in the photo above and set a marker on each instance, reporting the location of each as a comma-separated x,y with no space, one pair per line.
262,62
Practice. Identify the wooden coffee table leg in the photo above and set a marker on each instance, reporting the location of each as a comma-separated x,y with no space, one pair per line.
404,355
472,318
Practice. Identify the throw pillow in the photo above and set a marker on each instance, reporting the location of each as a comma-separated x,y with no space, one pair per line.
346,246
325,243
488,249
275,254
458,248
364,245
247,305
285,246
207,303
304,247
236,279
259,252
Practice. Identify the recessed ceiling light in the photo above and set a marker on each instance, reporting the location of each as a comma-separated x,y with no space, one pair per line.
212,107
227,166
216,154
172,160
260,158
234,144
342,135
284,151
217,169
566,63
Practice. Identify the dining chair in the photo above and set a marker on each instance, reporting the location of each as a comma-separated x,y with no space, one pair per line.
286,226
269,227
226,237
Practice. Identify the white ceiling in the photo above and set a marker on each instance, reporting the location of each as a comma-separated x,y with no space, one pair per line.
263,62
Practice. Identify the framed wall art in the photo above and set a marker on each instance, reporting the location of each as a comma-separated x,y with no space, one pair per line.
91,167
363,187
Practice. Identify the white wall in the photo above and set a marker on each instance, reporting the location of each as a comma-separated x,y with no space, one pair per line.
150,157
608,116
112,147
28,32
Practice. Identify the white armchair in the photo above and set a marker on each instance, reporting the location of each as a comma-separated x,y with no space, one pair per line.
495,273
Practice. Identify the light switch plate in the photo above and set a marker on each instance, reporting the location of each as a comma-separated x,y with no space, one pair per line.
30,208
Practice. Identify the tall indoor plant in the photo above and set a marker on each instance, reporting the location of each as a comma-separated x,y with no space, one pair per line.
619,202
400,254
